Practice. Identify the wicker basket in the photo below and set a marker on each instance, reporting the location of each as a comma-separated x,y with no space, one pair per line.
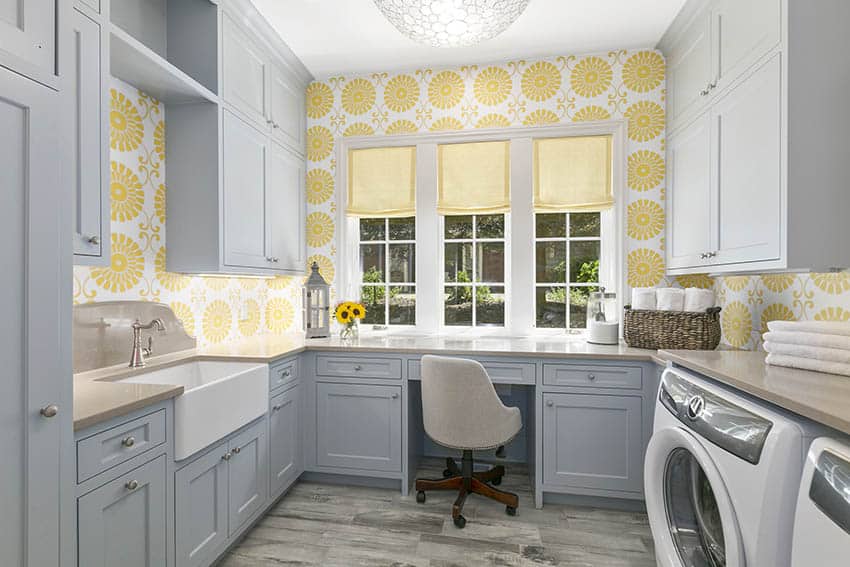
672,329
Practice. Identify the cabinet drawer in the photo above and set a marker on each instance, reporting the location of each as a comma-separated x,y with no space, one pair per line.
628,377
349,367
499,372
112,447
283,373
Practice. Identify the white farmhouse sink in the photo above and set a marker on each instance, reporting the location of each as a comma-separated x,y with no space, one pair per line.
218,398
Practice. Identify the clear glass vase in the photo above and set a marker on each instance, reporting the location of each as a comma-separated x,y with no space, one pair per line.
350,331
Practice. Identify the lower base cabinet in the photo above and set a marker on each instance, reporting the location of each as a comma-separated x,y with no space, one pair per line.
284,441
124,521
248,475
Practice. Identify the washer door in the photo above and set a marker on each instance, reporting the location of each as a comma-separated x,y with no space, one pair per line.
692,518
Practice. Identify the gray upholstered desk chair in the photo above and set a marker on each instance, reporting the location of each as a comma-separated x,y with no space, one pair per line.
461,410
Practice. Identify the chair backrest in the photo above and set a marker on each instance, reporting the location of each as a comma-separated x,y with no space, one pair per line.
459,402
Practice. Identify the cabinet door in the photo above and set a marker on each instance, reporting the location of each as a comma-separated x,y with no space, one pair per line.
284,441
689,222
244,160
287,111
28,29
285,210
745,32
748,129
200,508
689,67
245,72
123,522
359,427
248,479
593,442
89,171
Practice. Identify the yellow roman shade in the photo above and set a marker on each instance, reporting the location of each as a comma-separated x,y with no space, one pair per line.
474,178
382,182
572,174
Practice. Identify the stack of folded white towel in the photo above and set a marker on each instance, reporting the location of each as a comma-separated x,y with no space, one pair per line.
822,346
672,299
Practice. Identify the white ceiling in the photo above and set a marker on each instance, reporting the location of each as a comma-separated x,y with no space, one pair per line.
334,37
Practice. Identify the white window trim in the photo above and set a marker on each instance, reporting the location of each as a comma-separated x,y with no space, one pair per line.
519,261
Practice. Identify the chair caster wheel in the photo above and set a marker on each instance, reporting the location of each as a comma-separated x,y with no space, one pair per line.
420,496
497,481
447,473
460,522
510,510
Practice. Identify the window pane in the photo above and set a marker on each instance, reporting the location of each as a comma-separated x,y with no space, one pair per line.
584,261
490,306
491,262
402,305
458,311
403,263
458,262
551,225
372,262
585,224
458,227
371,229
403,228
551,307
490,226
578,306
551,262
374,300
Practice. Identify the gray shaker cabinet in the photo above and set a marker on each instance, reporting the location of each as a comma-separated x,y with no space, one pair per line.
29,34
247,475
284,441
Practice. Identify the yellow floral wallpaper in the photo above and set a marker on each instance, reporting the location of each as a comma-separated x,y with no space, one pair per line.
213,309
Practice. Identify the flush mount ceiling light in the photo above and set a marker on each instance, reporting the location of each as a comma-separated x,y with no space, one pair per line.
451,23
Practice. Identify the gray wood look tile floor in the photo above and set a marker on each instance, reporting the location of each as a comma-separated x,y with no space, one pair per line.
318,524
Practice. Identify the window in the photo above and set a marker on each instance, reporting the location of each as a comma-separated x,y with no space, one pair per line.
568,250
387,249
474,267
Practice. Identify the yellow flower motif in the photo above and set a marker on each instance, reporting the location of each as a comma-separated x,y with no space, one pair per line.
775,312
702,281
126,128
643,71
646,268
493,120
737,324
832,283
248,283
736,283
358,96
646,120
279,313
218,319
249,327
590,113
359,129
125,266
645,219
279,282
320,143
492,86
591,77
168,280
541,117
541,81
159,139
401,93
833,314
447,123
320,186
184,314
646,170
320,229
159,203
446,89
402,127
326,266
777,283
125,192
320,98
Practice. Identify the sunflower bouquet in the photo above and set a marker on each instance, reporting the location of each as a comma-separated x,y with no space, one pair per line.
348,314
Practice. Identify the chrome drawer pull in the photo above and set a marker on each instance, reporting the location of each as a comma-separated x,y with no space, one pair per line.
132,485
358,368
591,377
49,411
237,450
226,456
276,407
128,441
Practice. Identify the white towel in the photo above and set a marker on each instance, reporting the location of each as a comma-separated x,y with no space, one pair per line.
822,327
808,364
670,299
697,299
810,339
806,351
643,298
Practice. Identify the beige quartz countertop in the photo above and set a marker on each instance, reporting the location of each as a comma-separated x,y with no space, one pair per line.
824,398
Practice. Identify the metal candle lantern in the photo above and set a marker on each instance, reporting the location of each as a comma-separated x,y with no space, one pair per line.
316,303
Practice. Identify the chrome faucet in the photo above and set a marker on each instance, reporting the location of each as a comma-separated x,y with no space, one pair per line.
137,358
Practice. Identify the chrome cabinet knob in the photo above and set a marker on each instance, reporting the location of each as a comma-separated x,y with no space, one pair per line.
275,259
237,450
550,403
128,441
276,407
285,373
132,485
358,368
93,239
275,125
49,411
591,377
226,456
394,396
710,254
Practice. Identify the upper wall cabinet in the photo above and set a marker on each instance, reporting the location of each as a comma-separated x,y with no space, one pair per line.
287,114
757,165
28,30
